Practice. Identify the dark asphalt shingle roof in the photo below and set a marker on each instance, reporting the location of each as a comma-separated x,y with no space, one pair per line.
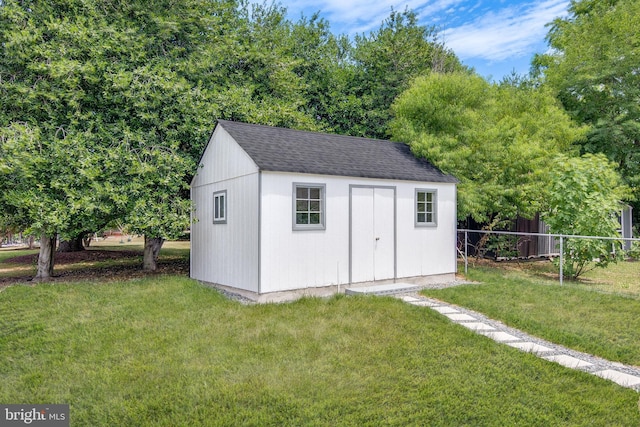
286,150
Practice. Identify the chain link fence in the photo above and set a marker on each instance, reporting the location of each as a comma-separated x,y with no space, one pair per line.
505,245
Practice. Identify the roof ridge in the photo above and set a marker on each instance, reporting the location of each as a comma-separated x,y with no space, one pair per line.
328,134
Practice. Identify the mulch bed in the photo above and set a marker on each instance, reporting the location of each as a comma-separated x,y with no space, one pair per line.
93,273
91,255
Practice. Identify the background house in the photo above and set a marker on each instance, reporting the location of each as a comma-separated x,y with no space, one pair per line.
280,210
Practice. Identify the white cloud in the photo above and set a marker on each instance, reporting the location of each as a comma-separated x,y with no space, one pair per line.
485,31
358,16
507,33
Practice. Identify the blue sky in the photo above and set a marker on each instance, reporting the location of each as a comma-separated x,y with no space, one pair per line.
493,36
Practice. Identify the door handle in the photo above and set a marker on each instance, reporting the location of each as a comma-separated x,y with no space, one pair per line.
377,238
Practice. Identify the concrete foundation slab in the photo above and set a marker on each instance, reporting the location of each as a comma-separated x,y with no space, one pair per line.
389,289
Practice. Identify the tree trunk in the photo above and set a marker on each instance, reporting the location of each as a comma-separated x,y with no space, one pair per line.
72,245
152,247
46,257
32,241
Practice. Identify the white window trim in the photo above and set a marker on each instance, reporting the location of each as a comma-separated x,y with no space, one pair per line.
433,223
217,196
323,212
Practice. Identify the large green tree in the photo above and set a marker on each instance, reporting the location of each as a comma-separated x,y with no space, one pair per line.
107,105
57,187
252,75
387,60
584,199
497,139
594,68
323,62
99,99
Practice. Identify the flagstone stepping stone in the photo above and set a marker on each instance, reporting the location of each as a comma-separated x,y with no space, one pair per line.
445,310
459,316
499,336
530,347
568,361
477,326
620,378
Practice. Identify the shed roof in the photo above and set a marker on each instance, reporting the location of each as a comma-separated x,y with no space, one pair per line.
286,150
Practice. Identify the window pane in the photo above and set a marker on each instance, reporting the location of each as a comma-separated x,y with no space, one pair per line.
426,207
302,218
219,206
302,193
308,205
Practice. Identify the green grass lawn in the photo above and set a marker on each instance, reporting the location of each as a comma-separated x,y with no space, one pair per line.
623,277
590,316
619,278
8,269
168,351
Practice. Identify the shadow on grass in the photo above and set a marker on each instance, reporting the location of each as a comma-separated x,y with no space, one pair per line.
101,264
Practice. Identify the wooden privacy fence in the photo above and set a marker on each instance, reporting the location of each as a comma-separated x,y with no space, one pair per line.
547,242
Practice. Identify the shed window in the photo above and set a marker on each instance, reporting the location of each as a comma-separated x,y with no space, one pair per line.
308,206
220,207
426,207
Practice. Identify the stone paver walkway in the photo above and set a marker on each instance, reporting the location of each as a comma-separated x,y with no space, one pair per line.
624,375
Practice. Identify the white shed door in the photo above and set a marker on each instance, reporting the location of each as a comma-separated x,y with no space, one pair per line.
372,234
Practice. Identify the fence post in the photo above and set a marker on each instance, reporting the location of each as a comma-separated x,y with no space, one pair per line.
465,253
561,260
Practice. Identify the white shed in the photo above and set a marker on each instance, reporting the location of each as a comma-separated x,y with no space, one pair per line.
281,213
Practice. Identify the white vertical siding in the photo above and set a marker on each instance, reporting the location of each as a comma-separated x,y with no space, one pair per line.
426,250
299,259
226,253
222,159
303,258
